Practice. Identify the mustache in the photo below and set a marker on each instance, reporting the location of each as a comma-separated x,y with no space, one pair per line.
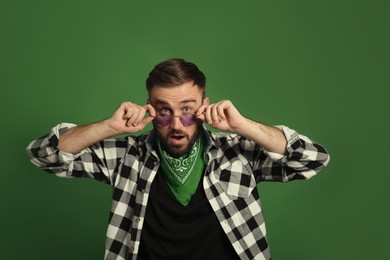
177,132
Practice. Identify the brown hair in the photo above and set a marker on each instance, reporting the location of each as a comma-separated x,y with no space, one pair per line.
174,72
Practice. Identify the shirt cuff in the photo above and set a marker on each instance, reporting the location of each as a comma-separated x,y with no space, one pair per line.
64,157
291,137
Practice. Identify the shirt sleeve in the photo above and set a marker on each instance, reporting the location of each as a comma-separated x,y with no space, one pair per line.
303,160
100,161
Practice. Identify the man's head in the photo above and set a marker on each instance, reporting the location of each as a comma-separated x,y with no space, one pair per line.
176,87
175,72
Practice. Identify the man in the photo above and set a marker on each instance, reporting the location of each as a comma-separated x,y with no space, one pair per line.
180,191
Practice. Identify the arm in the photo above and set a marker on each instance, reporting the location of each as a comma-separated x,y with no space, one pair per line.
128,118
269,137
275,153
225,117
86,151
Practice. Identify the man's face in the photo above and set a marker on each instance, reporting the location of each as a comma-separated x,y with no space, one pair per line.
176,138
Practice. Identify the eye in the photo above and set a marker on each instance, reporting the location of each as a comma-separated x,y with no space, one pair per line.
187,110
165,111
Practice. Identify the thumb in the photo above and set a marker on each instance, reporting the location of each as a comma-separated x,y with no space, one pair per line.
146,120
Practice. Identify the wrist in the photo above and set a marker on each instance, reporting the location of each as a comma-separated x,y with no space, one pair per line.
107,129
244,127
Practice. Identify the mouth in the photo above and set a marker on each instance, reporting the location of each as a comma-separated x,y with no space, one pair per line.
177,137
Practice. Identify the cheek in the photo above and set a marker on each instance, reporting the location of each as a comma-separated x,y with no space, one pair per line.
161,130
193,130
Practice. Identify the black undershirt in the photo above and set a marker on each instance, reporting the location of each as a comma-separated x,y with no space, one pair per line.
173,231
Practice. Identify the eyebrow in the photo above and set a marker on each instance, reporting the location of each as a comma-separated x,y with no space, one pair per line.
186,101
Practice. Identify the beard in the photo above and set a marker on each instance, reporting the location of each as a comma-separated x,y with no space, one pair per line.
178,150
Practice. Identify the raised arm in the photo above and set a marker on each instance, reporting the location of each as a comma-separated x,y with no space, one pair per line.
127,119
87,151
225,117
276,153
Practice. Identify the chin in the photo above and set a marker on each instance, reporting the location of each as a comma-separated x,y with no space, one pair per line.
178,151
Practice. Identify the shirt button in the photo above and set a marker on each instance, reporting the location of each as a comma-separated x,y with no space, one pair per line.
131,249
137,219
143,190
155,162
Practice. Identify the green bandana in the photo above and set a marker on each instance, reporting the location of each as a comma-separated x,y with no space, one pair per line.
183,174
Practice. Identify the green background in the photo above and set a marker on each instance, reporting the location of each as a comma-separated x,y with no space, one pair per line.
320,67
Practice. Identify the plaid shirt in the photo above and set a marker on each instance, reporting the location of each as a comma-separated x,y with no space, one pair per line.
234,165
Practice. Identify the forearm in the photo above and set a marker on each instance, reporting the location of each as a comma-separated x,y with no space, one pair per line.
270,138
78,138
225,117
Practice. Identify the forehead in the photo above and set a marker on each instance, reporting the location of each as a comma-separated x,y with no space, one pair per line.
185,93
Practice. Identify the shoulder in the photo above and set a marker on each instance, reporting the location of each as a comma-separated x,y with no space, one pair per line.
142,142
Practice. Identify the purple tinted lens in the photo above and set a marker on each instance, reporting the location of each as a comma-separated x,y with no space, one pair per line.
188,119
163,119
166,119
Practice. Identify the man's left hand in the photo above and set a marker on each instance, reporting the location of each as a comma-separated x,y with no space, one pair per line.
222,116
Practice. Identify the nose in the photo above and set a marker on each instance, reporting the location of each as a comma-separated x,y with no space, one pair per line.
176,123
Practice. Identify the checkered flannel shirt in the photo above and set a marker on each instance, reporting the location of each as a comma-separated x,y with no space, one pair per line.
234,166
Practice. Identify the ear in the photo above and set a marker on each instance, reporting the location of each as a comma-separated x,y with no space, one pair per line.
206,101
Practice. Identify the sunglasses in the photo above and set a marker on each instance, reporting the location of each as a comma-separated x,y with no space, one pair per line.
186,119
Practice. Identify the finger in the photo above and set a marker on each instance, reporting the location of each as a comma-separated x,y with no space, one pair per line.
127,116
120,111
214,114
200,113
133,115
150,109
221,112
146,120
201,110
200,117
128,110
139,117
207,114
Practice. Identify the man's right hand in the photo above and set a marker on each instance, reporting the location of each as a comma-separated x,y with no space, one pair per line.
130,118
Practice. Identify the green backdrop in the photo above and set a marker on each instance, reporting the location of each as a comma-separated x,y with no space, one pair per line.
320,67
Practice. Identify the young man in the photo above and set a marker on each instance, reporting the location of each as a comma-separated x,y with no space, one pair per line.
180,191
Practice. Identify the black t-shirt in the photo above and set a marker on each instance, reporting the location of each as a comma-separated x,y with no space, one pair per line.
173,231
